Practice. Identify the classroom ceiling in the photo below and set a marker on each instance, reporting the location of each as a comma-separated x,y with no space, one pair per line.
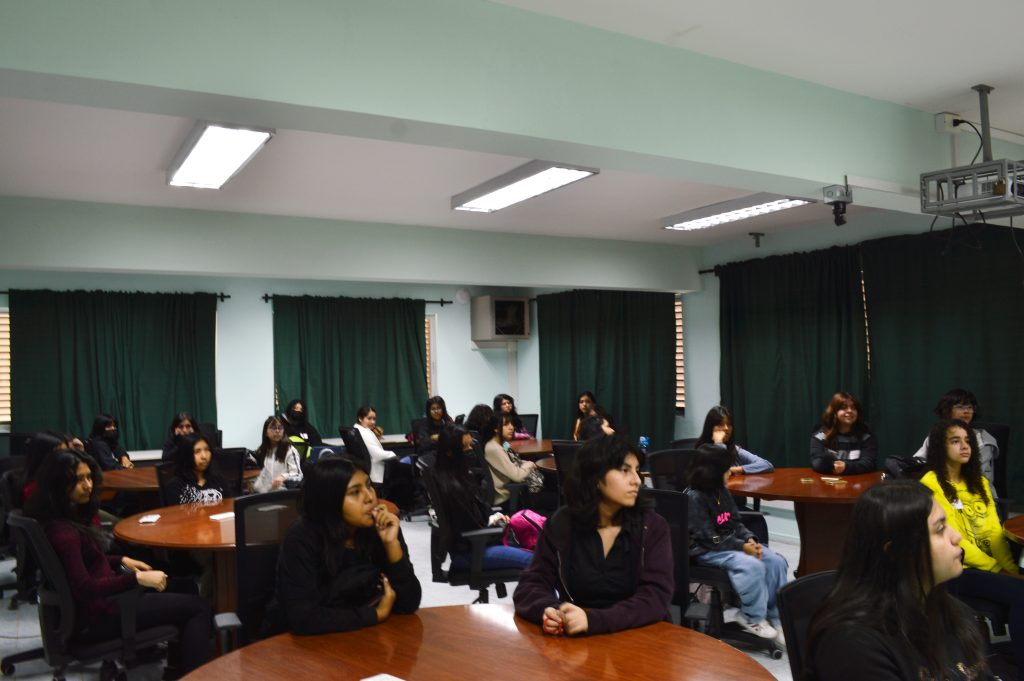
62,151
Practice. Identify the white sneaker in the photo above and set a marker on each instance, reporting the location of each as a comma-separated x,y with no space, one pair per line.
780,638
729,615
762,628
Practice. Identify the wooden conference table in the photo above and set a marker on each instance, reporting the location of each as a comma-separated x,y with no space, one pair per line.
822,510
532,449
484,642
1014,528
143,479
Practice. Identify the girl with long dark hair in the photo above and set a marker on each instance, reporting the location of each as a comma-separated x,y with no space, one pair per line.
718,432
104,444
505,465
65,503
889,616
297,425
429,430
280,460
181,425
344,564
196,480
585,403
505,404
843,445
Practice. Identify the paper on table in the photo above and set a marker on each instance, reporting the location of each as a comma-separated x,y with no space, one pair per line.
149,519
222,516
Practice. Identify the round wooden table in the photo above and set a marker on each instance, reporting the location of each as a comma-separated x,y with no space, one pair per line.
1014,528
547,464
485,642
822,509
532,449
143,479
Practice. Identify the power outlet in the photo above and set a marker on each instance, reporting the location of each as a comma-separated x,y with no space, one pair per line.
944,123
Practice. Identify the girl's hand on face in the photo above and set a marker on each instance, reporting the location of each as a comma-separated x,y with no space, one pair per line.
553,622
718,436
386,523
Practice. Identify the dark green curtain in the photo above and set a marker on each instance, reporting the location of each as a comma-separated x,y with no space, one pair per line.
620,346
340,353
946,310
141,357
792,334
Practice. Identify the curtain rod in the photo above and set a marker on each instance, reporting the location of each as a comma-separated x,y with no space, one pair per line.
711,271
220,296
267,297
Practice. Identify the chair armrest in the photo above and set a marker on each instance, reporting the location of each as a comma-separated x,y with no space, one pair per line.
479,539
128,605
516,491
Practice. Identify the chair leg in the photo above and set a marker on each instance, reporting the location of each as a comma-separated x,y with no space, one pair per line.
715,621
500,589
482,596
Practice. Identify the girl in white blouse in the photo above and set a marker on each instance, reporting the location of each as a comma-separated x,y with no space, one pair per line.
366,424
280,460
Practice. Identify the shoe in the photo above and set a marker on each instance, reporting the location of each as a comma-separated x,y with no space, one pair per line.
780,638
762,628
729,615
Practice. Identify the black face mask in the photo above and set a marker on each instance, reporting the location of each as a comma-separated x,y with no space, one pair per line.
296,416
111,435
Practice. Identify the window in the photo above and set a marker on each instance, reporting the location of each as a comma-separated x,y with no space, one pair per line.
428,331
5,366
680,364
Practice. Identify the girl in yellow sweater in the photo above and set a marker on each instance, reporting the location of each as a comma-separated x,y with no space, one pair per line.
955,479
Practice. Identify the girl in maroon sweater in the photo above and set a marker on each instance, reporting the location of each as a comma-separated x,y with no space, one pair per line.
66,501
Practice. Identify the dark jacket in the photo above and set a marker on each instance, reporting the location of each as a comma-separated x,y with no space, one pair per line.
302,429
315,602
863,444
715,523
107,456
542,585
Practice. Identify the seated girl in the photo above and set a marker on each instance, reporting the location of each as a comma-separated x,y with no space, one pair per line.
279,459
719,538
718,432
182,424
603,562
504,404
505,465
889,616
962,405
344,564
585,402
430,428
297,425
103,445
195,480
464,504
843,445
955,480
65,504
366,425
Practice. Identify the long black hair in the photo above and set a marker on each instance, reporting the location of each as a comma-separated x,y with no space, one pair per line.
100,423
460,489
494,425
707,469
936,460
884,581
716,417
516,421
320,504
592,462
944,407
478,417
185,461
268,448
56,478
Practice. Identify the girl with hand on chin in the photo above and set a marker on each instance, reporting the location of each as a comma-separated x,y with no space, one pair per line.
955,480
718,432
65,503
843,445
344,564
603,562
889,616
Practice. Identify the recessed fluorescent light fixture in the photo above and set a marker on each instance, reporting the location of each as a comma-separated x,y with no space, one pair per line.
213,153
731,211
525,182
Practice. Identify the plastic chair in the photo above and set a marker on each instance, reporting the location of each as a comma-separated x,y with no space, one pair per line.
441,540
57,611
798,602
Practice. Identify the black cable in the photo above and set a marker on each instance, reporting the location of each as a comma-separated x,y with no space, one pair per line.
981,144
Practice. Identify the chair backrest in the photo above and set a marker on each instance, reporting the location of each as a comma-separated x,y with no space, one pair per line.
214,436
355,447
56,602
1001,433
460,419
668,468
684,443
674,508
261,521
565,454
798,602
164,474
756,523
19,444
530,423
230,464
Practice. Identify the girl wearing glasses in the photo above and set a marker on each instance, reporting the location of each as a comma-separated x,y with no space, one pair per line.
280,460
961,405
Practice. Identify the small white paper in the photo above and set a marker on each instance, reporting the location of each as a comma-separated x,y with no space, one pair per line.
222,516
149,519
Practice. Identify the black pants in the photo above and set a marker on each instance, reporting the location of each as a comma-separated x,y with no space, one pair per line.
190,614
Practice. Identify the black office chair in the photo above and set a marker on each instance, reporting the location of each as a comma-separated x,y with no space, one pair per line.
355,447
684,443
164,474
230,464
798,602
668,468
722,592
442,538
565,454
261,521
530,423
211,434
25,578
57,615
674,508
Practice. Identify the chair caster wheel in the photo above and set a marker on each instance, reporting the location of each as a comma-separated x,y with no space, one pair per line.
776,654
6,668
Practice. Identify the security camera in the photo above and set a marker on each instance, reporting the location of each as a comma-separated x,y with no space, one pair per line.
838,196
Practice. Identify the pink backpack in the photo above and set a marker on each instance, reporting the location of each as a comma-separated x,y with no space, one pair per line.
523,529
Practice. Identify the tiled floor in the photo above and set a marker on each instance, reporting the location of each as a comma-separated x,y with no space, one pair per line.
19,629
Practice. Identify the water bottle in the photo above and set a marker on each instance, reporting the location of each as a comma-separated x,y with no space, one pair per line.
644,443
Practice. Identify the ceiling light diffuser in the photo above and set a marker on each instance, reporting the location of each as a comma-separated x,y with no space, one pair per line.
525,182
213,153
730,211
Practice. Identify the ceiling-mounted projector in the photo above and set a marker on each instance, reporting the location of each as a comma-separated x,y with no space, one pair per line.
990,189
